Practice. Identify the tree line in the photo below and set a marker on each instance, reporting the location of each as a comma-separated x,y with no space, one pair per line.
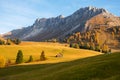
91,46
88,40
9,41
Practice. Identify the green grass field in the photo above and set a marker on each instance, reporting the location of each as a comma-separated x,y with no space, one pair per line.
51,49
101,67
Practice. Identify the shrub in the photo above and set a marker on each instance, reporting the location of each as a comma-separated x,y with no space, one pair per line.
8,43
110,50
30,59
81,45
86,46
19,58
2,62
92,48
72,45
97,48
42,56
2,42
17,41
8,62
76,46
105,49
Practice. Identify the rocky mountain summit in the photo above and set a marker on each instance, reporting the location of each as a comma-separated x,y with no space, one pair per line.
58,27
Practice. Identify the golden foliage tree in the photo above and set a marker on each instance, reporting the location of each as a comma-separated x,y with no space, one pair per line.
76,46
105,48
113,35
114,30
2,62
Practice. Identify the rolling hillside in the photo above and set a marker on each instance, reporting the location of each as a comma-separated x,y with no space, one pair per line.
51,50
102,67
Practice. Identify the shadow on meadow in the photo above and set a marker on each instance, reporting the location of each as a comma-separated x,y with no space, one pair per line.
102,67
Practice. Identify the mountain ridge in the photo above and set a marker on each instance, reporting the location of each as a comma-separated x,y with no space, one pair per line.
57,27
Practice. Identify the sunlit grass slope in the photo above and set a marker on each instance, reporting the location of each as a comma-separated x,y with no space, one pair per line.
102,67
51,49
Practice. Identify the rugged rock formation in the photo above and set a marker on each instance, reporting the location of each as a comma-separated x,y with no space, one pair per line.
58,27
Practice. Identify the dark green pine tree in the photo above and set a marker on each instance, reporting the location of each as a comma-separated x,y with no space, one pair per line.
30,59
2,42
19,58
72,45
17,41
97,48
42,56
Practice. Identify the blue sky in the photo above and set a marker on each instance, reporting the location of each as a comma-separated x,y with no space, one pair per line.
15,14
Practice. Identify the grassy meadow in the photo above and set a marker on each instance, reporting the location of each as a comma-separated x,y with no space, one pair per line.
51,49
101,67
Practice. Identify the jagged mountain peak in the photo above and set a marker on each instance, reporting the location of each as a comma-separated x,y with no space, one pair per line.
60,16
60,26
95,9
91,9
40,20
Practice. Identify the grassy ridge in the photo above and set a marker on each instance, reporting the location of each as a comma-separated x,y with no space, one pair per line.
102,67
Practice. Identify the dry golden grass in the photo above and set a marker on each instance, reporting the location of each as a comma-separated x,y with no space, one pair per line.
51,49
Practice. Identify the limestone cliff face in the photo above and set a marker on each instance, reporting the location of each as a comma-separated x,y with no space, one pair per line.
104,19
60,26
